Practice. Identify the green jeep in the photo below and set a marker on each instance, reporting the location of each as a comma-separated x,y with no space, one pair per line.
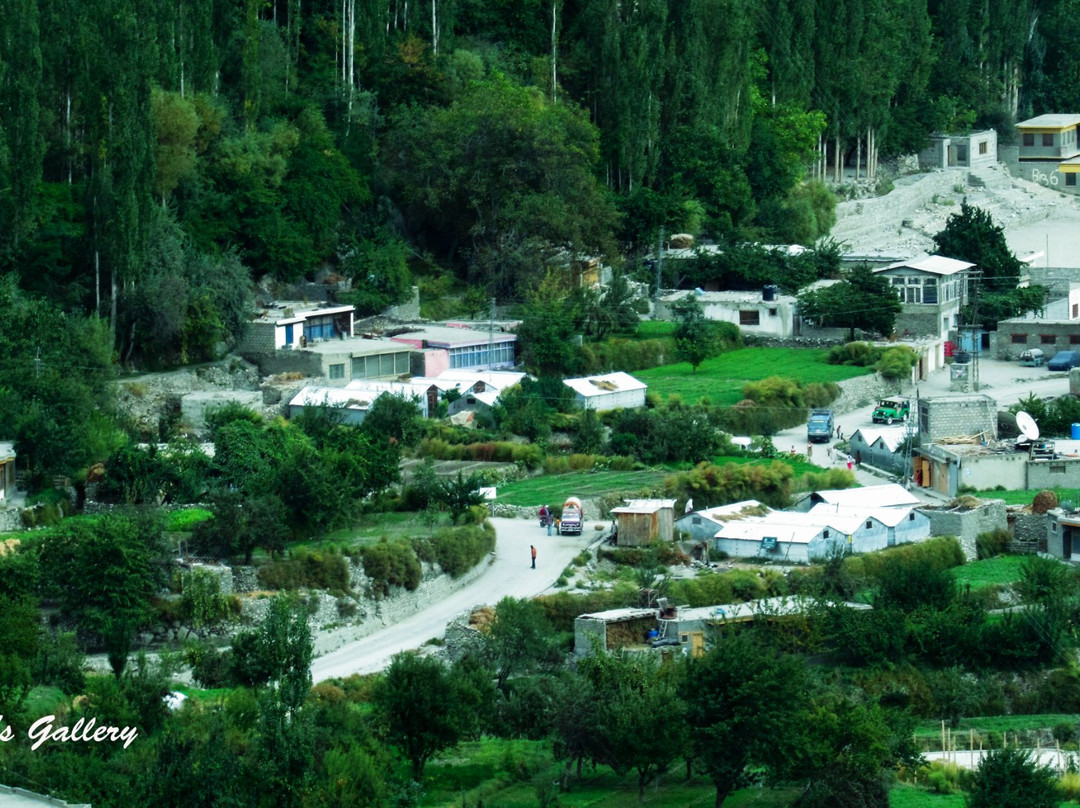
891,409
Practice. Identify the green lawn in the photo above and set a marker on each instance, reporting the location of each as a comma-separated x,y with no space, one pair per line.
721,379
373,526
908,796
1024,496
989,571
555,488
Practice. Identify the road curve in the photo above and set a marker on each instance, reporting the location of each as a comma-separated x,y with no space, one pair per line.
508,574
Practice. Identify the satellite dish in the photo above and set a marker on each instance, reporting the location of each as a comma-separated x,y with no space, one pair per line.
1028,428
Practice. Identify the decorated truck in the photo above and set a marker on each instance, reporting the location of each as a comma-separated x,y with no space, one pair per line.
572,516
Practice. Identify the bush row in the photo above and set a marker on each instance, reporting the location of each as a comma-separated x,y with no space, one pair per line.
528,454
562,464
307,569
457,549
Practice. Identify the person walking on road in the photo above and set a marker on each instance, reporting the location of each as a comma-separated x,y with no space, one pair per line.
850,462
532,549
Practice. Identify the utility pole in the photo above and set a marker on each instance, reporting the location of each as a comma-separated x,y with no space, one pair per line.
491,335
659,259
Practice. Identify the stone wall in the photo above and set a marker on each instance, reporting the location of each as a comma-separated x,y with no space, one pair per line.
272,362
966,523
865,390
1063,332
949,416
1029,527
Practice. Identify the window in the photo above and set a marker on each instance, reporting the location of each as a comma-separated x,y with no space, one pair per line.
1047,339
929,291
1048,139
1057,468
983,147
1019,339
825,534
1076,309
1029,138
869,524
961,154
750,317
1070,179
911,516
772,312
695,520
337,371
1074,339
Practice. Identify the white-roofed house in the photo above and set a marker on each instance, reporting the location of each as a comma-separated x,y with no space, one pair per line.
703,525
879,448
930,288
355,399
875,528
757,538
611,391
888,495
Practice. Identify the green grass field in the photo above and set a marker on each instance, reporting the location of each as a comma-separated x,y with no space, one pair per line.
989,571
554,488
1024,496
721,378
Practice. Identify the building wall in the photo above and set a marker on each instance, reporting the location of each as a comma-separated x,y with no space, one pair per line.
1041,172
951,416
703,529
967,523
1059,280
987,471
917,320
1063,473
1013,337
877,455
797,553
258,338
960,151
636,529
617,399
429,363
274,362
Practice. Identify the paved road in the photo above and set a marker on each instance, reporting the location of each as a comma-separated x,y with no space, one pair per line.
509,574
1006,382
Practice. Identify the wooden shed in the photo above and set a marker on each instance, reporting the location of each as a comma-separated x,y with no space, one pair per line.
643,521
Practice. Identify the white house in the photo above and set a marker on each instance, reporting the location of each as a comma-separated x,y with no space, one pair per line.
931,289
355,399
879,447
610,391
871,496
297,325
703,525
767,312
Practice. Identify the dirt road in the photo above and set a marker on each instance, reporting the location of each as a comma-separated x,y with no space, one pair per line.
508,574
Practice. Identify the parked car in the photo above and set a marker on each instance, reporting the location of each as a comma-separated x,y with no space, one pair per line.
820,426
1064,360
891,409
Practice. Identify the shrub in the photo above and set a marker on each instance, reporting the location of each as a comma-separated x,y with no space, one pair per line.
992,543
391,564
304,568
202,601
457,549
859,354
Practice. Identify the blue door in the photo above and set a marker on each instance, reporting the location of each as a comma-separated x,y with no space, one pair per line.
288,334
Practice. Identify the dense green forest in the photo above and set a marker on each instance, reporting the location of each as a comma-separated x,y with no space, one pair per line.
154,155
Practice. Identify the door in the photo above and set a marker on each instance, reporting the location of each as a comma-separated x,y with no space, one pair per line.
289,334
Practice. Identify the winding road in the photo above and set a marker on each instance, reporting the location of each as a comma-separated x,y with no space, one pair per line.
508,574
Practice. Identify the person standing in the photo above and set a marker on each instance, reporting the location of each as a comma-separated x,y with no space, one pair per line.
858,460
850,462
532,549
809,450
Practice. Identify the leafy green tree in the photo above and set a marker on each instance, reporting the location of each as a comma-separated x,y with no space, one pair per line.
521,640
1010,777
460,493
745,697
380,274
279,652
19,625
862,300
695,336
641,722
417,705
394,418
104,575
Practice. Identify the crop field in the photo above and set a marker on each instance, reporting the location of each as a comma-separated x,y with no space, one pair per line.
989,571
721,378
1024,496
554,488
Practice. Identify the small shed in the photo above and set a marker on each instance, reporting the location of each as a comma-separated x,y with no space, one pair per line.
880,448
703,525
612,629
7,470
643,521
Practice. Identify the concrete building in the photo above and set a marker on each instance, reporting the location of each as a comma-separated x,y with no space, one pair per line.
7,470
880,447
1063,534
643,521
931,289
703,525
444,347
610,391
1049,137
1018,334
767,313
291,325
194,407
338,361
355,399
942,417
14,797
960,151
948,467
889,495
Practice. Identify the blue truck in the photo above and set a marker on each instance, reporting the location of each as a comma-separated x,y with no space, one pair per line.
820,426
